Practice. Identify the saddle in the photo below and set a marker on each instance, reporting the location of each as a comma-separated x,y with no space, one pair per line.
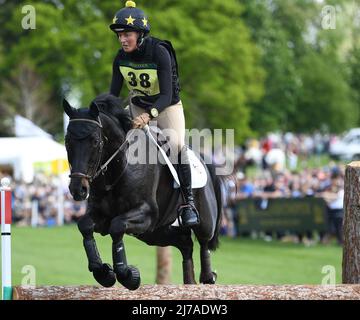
198,171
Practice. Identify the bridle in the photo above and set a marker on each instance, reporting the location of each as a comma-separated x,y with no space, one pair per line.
96,171
90,177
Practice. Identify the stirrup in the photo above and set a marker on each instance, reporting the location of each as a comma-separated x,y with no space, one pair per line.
186,205
183,206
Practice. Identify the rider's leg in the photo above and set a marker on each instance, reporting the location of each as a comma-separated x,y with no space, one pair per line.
189,214
172,122
173,118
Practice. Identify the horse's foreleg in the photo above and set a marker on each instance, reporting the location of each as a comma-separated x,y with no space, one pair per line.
128,276
117,230
135,221
207,276
103,273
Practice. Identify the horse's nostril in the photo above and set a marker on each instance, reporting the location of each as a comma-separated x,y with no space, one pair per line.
84,190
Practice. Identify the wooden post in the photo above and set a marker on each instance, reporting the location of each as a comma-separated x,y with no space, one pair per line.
351,225
164,262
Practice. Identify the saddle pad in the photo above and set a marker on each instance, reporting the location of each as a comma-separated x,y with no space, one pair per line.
198,172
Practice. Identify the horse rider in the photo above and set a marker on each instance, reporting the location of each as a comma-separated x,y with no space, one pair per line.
148,66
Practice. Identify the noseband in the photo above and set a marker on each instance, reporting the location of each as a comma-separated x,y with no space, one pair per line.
80,175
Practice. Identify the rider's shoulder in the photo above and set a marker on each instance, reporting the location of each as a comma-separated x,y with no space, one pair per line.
159,45
156,41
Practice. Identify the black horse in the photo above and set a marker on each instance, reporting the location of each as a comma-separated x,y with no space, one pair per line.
127,198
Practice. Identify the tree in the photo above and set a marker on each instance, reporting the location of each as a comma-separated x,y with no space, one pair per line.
164,264
354,77
241,62
352,50
306,85
64,50
26,93
326,99
273,111
73,48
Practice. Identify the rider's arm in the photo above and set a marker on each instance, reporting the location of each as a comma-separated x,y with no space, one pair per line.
165,78
117,79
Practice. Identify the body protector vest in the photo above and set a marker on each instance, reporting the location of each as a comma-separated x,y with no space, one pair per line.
140,73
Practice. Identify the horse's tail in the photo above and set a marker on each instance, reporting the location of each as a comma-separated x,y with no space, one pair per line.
213,244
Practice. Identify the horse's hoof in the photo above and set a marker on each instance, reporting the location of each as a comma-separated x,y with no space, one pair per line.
132,280
209,279
105,275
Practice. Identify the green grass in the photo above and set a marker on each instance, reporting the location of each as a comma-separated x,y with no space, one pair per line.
59,259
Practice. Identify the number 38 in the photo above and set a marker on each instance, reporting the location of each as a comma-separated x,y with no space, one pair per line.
144,80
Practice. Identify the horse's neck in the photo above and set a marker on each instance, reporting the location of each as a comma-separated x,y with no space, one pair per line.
114,164
113,138
114,134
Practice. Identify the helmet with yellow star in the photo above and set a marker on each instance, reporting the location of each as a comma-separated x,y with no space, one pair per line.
130,18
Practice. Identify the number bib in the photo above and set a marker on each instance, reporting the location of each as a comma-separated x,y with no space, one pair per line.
141,76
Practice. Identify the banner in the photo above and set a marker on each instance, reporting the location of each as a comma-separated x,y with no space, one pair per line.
283,214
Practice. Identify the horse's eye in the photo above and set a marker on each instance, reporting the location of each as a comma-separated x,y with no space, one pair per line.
96,143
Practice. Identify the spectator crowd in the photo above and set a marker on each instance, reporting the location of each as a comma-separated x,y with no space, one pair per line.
44,195
277,166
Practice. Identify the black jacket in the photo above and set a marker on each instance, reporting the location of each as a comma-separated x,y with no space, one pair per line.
151,71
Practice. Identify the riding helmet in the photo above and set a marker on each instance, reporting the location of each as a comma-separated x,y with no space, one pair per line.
130,18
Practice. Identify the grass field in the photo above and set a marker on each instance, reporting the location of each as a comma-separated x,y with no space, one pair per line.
59,259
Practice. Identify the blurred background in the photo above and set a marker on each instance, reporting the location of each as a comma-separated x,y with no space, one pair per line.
285,75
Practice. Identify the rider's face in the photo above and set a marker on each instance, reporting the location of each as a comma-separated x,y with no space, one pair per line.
128,40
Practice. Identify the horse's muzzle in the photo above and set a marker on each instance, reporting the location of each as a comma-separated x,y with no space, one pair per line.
79,188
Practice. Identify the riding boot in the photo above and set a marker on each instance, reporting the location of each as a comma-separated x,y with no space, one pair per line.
187,211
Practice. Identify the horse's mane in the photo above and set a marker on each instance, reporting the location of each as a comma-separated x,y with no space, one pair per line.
113,106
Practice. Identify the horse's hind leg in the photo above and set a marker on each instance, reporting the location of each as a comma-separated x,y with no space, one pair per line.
102,273
207,276
188,263
179,238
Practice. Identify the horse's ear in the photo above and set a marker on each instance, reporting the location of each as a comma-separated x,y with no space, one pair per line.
69,110
94,110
